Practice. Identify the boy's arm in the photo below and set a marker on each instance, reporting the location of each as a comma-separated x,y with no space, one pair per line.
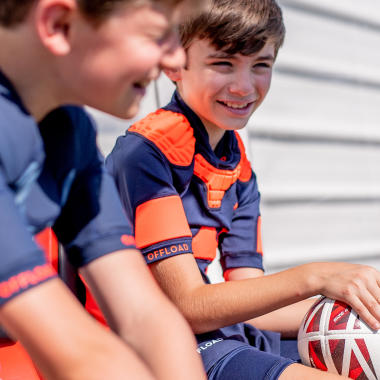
137,310
208,307
63,340
37,309
286,320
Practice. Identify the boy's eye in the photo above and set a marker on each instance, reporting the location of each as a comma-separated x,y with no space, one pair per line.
262,64
221,63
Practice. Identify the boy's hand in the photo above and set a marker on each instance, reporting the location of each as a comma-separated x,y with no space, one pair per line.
357,285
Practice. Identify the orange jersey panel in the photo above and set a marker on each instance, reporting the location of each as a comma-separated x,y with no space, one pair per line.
259,247
216,180
160,219
15,363
205,244
48,242
246,171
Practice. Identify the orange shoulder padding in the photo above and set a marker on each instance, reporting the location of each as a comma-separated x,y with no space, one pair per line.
171,132
160,219
205,243
246,171
217,180
48,242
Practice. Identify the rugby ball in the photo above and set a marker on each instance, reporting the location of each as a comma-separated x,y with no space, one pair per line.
333,338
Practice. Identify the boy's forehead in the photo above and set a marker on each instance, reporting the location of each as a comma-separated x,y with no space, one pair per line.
210,51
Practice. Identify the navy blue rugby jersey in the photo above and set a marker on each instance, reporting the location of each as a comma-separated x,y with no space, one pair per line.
182,196
52,174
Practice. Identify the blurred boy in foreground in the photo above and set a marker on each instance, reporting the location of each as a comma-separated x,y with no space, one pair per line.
100,53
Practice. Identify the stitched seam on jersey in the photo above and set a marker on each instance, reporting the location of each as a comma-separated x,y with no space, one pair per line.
162,195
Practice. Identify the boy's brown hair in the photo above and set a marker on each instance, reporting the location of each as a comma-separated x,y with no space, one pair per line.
237,26
12,12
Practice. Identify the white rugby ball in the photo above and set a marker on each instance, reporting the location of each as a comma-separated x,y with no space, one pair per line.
333,338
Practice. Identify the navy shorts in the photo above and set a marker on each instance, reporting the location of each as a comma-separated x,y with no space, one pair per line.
243,352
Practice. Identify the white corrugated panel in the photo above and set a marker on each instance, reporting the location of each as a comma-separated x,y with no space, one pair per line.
315,143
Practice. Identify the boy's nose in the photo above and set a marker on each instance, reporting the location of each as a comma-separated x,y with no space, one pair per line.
242,85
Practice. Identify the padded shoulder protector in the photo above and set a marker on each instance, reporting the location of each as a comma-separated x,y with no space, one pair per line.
246,171
171,132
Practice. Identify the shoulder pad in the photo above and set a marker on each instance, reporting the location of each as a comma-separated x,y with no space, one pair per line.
245,165
171,132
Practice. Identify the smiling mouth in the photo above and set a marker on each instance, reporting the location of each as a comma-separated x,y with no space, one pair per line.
141,85
236,106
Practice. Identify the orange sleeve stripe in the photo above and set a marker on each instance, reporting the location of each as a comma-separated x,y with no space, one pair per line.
205,244
259,247
171,132
160,219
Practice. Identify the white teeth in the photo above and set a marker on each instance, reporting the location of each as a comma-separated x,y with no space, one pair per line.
237,106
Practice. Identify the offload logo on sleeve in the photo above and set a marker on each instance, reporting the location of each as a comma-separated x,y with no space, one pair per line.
170,250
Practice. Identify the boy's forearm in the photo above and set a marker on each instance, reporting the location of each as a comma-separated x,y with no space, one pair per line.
167,344
209,307
64,341
214,306
138,311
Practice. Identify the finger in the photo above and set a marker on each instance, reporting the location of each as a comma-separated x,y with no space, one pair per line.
372,300
366,312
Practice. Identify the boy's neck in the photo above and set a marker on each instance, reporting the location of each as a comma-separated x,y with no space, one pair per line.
215,134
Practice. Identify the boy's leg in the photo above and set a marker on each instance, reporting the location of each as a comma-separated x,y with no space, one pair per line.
252,364
301,372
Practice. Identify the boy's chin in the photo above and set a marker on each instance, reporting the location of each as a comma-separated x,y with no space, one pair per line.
234,126
128,112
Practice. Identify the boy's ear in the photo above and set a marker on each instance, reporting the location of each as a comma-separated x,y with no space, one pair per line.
173,74
54,23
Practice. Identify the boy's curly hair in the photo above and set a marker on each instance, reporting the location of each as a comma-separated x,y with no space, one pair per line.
237,26
12,12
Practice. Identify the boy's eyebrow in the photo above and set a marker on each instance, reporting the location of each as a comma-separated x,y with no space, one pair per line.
221,54
268,57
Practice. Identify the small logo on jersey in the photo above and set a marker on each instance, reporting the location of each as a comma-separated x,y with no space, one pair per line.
174,249
127,240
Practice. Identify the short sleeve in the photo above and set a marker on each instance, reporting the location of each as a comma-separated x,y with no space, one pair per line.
241,245
91,223
23,264
147,189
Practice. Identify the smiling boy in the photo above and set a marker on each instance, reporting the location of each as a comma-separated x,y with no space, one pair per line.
185,181
103,54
